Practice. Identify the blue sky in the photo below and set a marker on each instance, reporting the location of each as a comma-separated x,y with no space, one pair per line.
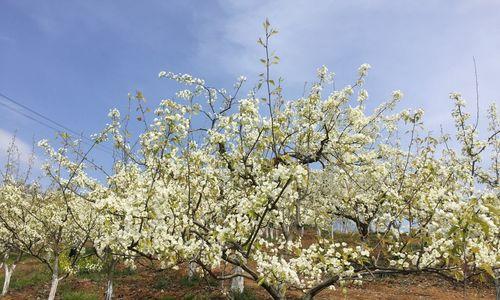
74,60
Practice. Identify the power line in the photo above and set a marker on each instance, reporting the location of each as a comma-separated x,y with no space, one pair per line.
101,147
38,114
28,116
105,149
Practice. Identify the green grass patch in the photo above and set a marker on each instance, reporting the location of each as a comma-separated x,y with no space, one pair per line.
162,283
125,272
196,281
246,295
195,297
66,291
168,298
190,282
78,295
93,276
20,280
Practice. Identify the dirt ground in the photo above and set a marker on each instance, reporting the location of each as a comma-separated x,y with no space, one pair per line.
31,281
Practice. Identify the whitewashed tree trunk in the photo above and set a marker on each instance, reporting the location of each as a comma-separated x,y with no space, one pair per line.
8,274
55,279
286,231
192,270
237,283
53,288
109,289
109,286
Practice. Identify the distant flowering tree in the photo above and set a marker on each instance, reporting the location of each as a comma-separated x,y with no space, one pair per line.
14,185
52,224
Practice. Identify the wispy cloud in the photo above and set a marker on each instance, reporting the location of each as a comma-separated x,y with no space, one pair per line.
24,150
424,50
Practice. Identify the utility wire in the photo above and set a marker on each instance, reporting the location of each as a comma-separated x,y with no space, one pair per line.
100,146
28,116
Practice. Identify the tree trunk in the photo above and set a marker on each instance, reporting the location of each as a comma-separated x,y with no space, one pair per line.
311,293
55,279
237,283
286,231
298,217
363,230
9,270
8,274
53,288
191,270
109,289
497,284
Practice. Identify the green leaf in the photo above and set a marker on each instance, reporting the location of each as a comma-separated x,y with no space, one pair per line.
493,209
488,269
261,281
65,135
484,225
266,24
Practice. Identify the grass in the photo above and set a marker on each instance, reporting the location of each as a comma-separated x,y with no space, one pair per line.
196,281
195,297
67,292
101,276
93,276
20,281
125,272
190,282
168,298
162,283
76,295
246,295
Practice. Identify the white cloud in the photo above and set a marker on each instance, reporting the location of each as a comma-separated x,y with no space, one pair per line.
425,50
24,149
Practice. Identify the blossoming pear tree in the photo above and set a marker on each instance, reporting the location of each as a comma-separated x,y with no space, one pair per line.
14,185
242,187
51,224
